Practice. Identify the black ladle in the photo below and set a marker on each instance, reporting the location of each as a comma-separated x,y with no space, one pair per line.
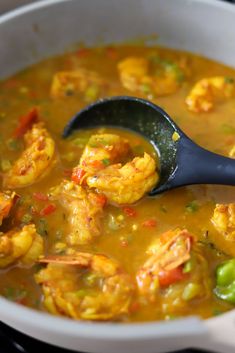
182,161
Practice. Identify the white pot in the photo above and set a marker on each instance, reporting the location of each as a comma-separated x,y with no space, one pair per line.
34,32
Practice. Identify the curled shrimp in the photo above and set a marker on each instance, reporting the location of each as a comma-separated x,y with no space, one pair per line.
68,83
127,183
7,201
100,151
207,91
223,220
151,77
85,286
22,246
84,211
35,161
175,272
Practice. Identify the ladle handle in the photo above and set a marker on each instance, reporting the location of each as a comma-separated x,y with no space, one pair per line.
199,166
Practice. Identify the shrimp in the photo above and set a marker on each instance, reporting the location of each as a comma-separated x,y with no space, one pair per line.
84,211
36,160
135,75
85,286
223,220
175,272
100,151
7,201
22,246
68,83
128,183
207,91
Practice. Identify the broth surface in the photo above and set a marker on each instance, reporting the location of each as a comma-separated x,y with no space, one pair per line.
189,208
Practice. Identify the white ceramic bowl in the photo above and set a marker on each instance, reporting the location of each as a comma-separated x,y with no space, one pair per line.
34,32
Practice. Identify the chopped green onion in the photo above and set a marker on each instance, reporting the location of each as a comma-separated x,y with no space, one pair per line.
5,165
191,291
90,279
91,93
106,162
188,266
113,224
229,80
27,218
13,144
192,206
15,294
145,88
42,228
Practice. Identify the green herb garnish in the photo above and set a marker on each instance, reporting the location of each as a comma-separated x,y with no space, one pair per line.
106,162
192,207
42,227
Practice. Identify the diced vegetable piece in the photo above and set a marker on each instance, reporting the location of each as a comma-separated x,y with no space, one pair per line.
101,200
167,278
13,144
192,206
191,291
27,218
77,175
150,223
188,266
5,165
129,211
225,281
106,162
40,196
47,210
42,227
26,122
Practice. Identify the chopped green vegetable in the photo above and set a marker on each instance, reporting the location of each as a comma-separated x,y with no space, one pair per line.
27,218
13,144
91,93
191,291
81,293
145,88
188,266
225,281
229,80
90,279
42,227
106,162
192,206
5,165
15,294
113,223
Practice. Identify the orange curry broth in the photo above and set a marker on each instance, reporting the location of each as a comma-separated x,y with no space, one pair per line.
128,244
